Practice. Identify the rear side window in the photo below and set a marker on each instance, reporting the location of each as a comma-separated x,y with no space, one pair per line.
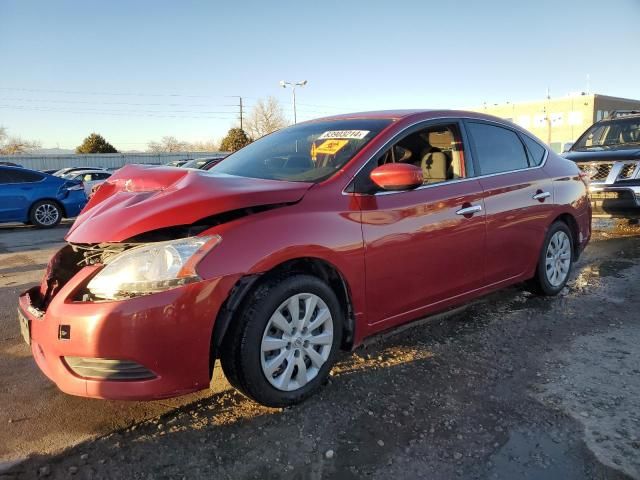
18,176
497,149
536,151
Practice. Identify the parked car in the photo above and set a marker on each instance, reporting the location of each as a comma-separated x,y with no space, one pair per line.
64,171
38,198
9,164
89,178
303,243
176,163
204,163
608,152
50,171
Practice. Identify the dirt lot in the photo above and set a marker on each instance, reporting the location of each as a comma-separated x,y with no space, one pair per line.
514,386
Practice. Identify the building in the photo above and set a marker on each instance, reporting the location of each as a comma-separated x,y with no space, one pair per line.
560,121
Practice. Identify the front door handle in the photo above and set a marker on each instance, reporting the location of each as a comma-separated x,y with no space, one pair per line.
469,210
540,195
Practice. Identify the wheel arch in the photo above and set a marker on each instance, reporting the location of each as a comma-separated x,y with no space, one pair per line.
49,199
317,267
572,223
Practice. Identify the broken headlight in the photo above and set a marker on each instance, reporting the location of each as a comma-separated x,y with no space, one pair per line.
151,268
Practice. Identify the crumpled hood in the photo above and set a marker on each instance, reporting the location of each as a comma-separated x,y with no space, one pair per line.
138,199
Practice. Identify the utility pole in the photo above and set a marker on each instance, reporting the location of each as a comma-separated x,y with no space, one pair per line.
240,105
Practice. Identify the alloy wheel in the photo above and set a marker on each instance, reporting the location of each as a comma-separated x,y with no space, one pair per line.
47,214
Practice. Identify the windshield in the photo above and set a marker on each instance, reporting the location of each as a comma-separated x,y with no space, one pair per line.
618,133
309,152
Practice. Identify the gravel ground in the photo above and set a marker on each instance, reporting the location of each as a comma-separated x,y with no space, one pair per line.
514,386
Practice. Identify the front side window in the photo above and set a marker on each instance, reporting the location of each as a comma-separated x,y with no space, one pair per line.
497,149
618,134
308,152
436,150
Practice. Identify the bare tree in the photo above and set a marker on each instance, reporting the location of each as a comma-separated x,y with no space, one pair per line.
15,145
172,144
266,117
203,147
167,144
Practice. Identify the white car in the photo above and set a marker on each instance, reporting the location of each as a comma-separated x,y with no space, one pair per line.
90,178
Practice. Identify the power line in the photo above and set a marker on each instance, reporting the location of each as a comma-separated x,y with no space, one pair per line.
112,103
119,113
139,111
121,94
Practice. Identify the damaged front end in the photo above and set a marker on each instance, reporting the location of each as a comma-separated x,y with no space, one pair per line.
146,229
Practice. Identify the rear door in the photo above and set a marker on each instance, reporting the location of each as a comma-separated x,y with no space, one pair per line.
423,247
518,198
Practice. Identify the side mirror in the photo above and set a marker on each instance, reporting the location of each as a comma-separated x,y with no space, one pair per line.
397,176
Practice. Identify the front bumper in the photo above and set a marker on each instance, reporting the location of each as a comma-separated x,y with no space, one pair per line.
615,201
167,334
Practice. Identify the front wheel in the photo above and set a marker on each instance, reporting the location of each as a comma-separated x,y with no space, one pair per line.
284,340
555,261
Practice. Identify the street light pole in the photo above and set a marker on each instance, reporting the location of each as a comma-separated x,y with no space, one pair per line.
293,86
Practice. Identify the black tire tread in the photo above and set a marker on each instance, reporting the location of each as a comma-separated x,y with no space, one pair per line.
538,283
236,341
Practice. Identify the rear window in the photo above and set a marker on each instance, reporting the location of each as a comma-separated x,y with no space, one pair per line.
19,176
536,151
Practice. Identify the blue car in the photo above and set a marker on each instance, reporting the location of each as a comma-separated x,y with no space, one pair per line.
38,198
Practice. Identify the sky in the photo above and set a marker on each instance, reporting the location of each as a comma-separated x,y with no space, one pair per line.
135,71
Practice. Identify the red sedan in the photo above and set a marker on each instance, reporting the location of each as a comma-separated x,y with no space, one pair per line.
301,244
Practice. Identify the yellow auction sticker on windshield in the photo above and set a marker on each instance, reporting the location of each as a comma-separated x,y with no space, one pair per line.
330,147
355,134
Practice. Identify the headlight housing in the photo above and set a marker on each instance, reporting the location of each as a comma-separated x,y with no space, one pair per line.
151,268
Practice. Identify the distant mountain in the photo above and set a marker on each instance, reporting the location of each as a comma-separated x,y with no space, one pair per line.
53,151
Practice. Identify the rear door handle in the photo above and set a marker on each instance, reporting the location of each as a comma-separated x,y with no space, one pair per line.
541,195
469,210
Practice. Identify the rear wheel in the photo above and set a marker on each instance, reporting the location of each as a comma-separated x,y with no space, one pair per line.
284,340
555,262
45,214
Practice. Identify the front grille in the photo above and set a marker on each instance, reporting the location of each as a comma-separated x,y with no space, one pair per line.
598,172
108,369
627,171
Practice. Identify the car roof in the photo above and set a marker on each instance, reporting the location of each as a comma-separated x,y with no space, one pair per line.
91,170
417,114
80,168
20,169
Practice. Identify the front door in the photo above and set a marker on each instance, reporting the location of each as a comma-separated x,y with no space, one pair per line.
423,247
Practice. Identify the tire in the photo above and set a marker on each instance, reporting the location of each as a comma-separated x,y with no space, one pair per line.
265,375
552,276
45,214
